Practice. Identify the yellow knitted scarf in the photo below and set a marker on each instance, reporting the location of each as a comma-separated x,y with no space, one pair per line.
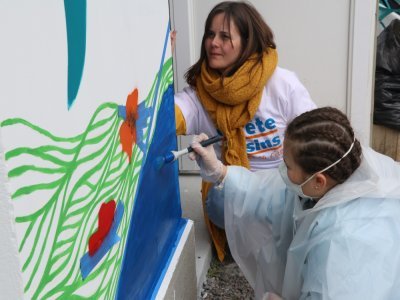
232,105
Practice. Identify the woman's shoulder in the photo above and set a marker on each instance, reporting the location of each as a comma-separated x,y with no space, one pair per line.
360,211
284,81
285,88
361,220
186,92
187,99
283,76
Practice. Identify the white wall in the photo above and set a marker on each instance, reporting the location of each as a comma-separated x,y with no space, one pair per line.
10,270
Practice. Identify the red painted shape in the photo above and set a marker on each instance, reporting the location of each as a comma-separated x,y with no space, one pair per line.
106,218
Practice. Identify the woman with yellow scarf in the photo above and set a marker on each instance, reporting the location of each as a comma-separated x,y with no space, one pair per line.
236,89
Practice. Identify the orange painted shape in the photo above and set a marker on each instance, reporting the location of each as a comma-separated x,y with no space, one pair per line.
126,138
127,132
131,104
261,134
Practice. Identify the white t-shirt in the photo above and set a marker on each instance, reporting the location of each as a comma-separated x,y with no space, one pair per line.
283,99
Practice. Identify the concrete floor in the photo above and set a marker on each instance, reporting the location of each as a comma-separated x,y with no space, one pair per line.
189,186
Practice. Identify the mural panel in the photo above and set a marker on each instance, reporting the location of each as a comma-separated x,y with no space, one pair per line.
87,106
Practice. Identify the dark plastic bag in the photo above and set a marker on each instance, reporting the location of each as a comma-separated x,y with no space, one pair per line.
387,77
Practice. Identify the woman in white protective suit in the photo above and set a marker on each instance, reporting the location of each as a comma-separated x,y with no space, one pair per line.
325,225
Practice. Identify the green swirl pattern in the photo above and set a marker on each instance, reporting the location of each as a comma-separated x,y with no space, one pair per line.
81,172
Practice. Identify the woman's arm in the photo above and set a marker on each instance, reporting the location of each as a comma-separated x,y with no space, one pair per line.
180,122
192,112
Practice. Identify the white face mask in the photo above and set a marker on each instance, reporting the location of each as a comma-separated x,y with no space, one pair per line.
297,188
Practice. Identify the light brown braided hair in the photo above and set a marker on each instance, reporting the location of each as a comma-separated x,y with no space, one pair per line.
320,137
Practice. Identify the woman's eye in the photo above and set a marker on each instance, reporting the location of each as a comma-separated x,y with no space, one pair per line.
226,37
210,34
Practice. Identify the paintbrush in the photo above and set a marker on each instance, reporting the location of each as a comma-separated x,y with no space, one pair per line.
174,155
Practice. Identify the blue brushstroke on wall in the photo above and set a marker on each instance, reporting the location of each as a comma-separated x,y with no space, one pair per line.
156,219
75,17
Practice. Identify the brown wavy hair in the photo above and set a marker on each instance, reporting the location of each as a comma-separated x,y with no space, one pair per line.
256,36
319,138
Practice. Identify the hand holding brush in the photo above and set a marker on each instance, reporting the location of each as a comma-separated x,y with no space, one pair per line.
174,155
211,168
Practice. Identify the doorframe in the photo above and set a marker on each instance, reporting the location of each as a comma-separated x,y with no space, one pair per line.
361,67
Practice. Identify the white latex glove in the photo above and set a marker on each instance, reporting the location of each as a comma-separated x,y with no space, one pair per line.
211,168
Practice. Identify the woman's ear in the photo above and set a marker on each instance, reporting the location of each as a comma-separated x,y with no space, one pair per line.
320,181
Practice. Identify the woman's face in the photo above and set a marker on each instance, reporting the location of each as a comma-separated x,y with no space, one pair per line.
223,48
295,172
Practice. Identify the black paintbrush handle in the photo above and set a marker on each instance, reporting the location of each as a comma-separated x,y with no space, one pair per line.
208,142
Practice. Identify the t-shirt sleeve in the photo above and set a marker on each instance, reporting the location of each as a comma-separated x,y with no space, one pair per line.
180,122
188,104
299,100
196,118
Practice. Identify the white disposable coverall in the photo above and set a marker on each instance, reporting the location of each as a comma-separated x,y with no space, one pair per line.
346,247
